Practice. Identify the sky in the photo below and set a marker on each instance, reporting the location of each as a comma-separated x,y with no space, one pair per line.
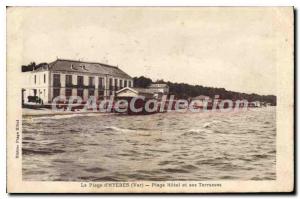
231,48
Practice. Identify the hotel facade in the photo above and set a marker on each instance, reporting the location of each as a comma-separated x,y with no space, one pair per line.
73,78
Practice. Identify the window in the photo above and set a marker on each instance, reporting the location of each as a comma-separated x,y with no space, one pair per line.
125,83
44,78
56,92
91,81
80,80
34,79
100,94
80,93
68,80
116,84
91,92
68,92
83,67
44,93
121,83
56,80
110,84
129,83
100,86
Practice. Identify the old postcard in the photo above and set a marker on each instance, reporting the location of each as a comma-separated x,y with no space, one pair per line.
150,99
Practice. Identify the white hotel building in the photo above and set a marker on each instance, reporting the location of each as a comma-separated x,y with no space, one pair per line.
74,78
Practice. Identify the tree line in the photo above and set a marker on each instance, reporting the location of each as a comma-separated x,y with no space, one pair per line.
186,91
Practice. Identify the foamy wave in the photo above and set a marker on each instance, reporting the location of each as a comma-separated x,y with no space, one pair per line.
64,116
195,131
114,128
209,124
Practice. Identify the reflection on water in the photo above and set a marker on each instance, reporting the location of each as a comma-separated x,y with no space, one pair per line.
164,146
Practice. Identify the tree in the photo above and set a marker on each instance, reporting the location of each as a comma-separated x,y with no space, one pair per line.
29,67
32,66
141,82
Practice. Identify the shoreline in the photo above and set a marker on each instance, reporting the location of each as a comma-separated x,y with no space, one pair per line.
26,112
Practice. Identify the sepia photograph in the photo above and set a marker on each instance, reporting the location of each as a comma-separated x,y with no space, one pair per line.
150,99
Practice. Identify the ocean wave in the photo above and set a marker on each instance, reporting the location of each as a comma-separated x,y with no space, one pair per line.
196,131
117,129
65,116
116,148
95,170
175,170
213,122
41,151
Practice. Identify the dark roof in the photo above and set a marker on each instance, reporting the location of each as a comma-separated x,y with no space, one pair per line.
86,67
144,90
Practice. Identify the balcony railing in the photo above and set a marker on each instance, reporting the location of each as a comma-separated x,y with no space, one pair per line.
115,88
80,86
91,86
101,88
56,84
69,85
